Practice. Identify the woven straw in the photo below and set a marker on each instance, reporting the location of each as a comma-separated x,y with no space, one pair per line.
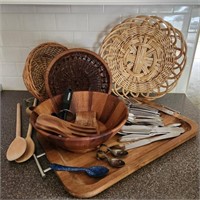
36,65
78,69
146,56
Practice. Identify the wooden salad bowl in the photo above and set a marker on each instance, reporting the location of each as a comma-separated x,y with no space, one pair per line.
111,115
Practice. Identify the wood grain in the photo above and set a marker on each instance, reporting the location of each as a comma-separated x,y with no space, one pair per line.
82,186
111,115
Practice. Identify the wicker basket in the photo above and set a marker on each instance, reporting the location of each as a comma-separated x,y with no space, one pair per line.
36,65
78,69
146,56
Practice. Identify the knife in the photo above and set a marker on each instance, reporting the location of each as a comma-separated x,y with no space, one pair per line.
143,142
134,137
148,129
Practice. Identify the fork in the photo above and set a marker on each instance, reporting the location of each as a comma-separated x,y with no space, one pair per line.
53,124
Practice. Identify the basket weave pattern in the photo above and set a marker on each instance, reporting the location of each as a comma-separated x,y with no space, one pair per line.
35,67
78,69
146,56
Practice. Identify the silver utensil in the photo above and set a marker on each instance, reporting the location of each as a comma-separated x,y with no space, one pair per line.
134,137
115,150
143,142
148,129
113,162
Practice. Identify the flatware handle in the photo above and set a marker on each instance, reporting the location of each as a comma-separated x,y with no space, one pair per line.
18,120
58,167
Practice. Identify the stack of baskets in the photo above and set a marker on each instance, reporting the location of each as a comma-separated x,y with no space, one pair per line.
143,56
51,68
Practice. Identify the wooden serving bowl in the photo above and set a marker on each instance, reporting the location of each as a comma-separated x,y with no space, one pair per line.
111,115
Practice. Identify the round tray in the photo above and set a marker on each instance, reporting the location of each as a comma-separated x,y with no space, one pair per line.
146,56
78,69
36,65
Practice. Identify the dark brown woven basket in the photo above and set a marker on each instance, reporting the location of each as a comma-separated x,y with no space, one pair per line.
78,69
35,67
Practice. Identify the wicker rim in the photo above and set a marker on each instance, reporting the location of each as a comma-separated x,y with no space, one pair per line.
146,56
39,59
71,52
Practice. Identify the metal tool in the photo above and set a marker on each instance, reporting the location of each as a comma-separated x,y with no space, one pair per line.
143,142
134,129
134,137
113,162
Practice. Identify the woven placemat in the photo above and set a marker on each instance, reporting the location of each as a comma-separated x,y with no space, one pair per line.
35,67
78,69
146,56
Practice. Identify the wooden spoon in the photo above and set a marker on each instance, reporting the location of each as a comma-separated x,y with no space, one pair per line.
30,149
18,145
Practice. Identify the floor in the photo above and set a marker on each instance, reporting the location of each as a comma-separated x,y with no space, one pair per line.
193,91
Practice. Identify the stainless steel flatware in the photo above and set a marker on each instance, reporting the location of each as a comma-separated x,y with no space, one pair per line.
143,142
113,162
148,129
134,137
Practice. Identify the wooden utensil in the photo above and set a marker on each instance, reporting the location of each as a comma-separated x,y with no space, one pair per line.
30,149
87,118
67,129
18,145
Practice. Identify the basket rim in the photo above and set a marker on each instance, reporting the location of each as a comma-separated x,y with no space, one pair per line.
71,51
119,34
27,75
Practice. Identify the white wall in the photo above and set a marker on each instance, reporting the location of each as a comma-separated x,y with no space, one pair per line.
22,27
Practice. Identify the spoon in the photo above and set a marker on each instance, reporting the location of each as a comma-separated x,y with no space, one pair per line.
18,145
115,150
113,162
30,149
94,171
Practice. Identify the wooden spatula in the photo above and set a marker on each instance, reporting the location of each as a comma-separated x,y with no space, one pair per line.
66,129
87,118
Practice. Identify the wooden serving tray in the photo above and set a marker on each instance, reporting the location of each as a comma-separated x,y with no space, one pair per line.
82,186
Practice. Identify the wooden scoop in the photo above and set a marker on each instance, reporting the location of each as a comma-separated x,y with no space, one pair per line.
30,149
18,145
66,129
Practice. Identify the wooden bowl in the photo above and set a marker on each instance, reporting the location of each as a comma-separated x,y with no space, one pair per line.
111,115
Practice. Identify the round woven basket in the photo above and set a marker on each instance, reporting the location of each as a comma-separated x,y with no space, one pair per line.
78,69
35,67
146,56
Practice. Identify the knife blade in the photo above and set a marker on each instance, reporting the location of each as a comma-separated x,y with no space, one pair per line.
134,137
149,129
143,142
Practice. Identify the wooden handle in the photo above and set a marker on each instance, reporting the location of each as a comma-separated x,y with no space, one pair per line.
30,128
18,120
86,118
34,102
